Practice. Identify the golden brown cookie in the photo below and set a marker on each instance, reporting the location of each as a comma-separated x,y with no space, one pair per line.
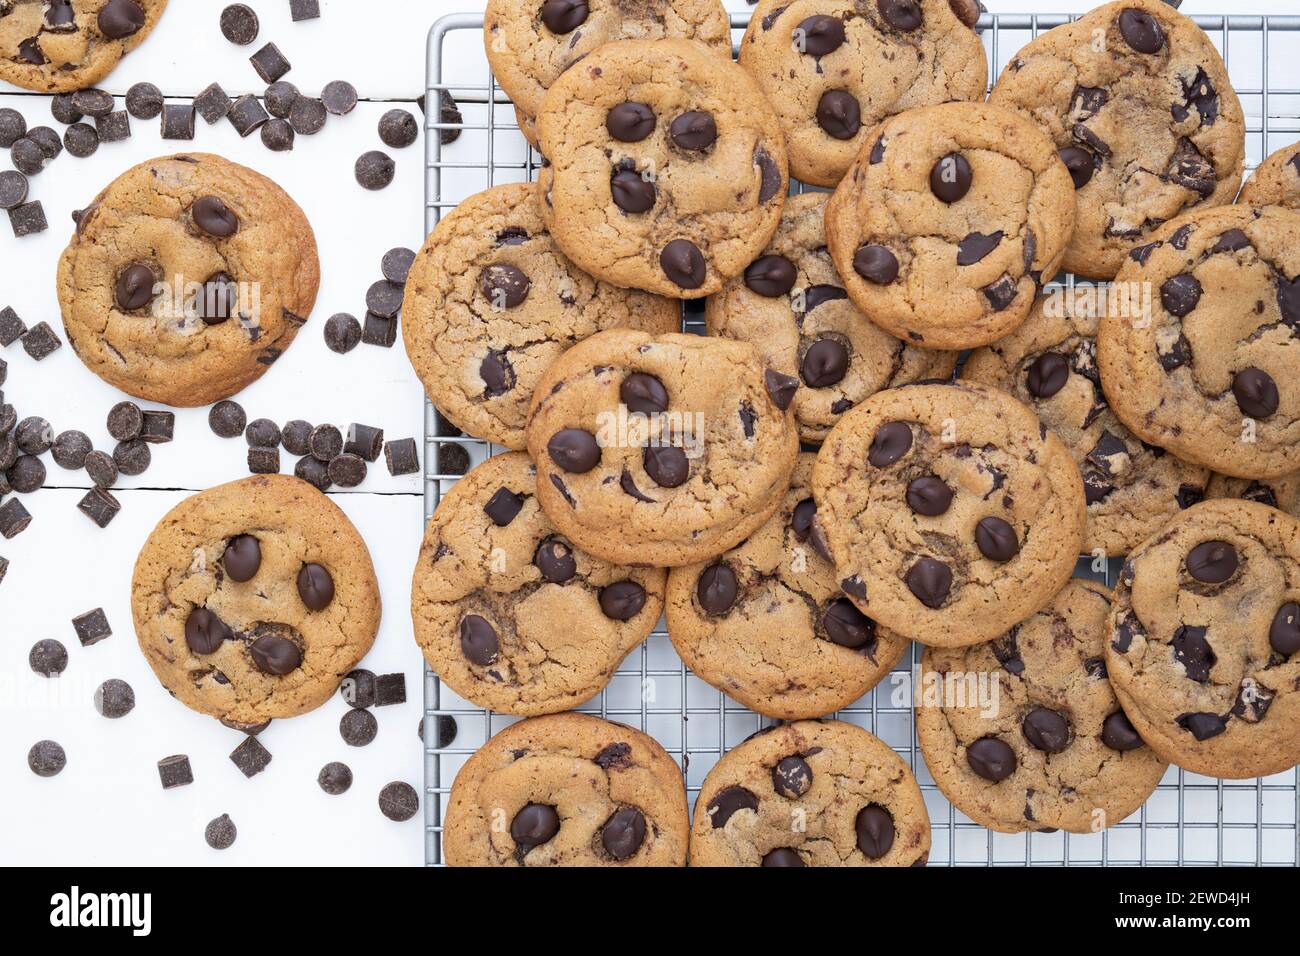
1138,101
1025,733
509,615
54,46
1276,182
254,599
188,276
952,513
567,790
661,451
767,624
810,793
949,222
791,303
491,303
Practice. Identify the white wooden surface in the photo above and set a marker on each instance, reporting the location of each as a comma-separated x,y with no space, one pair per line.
107,807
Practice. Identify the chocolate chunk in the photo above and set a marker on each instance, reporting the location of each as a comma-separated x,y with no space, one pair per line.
1046,730
13,188
358,727
144,101
643,394
1194,652
1179,294
401,457
213,103
929,495
694,131
683,264
1178,355
976,246
616,756
205,632
819,35
335,778
101,469
1141,31
771,179
848,627
1256,392
28,219
277,135
1001,293
12,328
1189,495
950,178
226,419
1190,169
46,758
991,759
132,457
379,331
279,98
875,829
213,216
307,116
630,122
876,264
177,121
564,16
1179,239
452,459
174,771
554,559
315,587
374,169
729,801
780,389
339,97
717,589
242,557
623,833
1203,726
247,114
503,506
398,801
91,627
622,600
574,450
114,698
48,658
250,757
996,539
364,441
891,442
839,114
1212,562
81,140
1284,632
301,10
1253,701
666,465
1117,733
929,581
269,63
478,640
824,364
534,825
815,295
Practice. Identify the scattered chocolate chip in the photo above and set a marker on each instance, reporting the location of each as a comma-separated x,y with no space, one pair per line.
364,441
307,116
144,101
114,698
81,140
28,219
301,10
12,327
34,435
398,801
335,778
13,127
99,506
26,475
375,170
213,103
177,121
227,419
396,264
92,102
390,689
101,469
398,129
339,97
132,457
46,758
384,298
277,135
976,246
325,442
402,457
125,419
358,727
13,188
279,98
358,688
220,833
48,658
342,333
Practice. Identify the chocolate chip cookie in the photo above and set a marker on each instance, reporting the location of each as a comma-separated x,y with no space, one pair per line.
254,599
951,512
1137,100
530,43
661,451
949,222
1025,733
1204,640
791,303
1050,364
567,790
1276,182
667,168
767,624
810,793
54,46
187,278
833,69
1202,362
491,303
508,613
1282,493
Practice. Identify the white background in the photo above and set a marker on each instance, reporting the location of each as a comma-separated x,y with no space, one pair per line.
107,807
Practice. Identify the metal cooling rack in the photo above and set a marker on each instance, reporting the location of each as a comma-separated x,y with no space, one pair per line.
1189,820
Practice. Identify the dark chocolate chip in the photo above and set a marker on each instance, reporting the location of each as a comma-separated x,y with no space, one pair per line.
717,589
227,419
533,825
144,101
242,557
114,698
342,333
683,264
374,169
727,802
996,539
819,35
623,833
214,217
239,24
205,632
771,179
875,828
929,495
839,114
1080,163
847,626
13,188
622,600
277,135
574,450
564,16
1141,31
891,442
132,457
902,15
1203,726
782,856
1212,562
824,364
48,658
1256,392
279,98
666,465
1047,375
631,191
929,581
1046,730
1284,632
339,97
504,286
478,640
1180,294
358,727
1117,732
950,178
976,246
46,758
335,778
315,587
780,388
554,559
325,442
70,449
644,394
792,777
991,759
1194,652
630,122
81,140
398,801
695,131
875,263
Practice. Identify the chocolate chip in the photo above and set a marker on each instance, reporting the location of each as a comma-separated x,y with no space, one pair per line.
1047,375
622,600
70,450
385,298
1080,164
101,469
279,98
48,658
534,825
623,833
13,189
976,246
177,121
564,16
401,457
29,51
114,699
503,506
144,101
1194,652
574,450
717,589
133,290
929,581
771,178
667,466
396,264
335,778
339,97
1212,562
950,178
727,802
34,435
277,135
892,441
398,801
478,640
780,389
630,122
125,420
46,758
1046,730
358,688
683,264
695,131
824,364
875,828
996,539
1256,392
631,191
1180,294
13,127
227,419
1001,293
28,219
81,140
1117,732
839,114
27,156
792,777
782,856
991,759
205,632
342,333
358,727
928,495
902,15
819,35
876,264
175,771
554,559
643,394
246,114
848,627
315,587
770,276
1284,632
132,457
242,558
1202,726
307,116
239,24
374,170
325,442
504,286
214,217
26,475
1141,31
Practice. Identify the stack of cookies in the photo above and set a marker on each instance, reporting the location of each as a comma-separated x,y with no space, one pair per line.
813,485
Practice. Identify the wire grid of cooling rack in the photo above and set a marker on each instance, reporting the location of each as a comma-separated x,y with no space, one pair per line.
1189,820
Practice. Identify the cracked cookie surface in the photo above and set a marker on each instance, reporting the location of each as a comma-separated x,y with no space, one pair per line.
952,513
1204,642
1025,732
1138,101
833,69
1276,181
1211,376
187,277
254,599
810,793
508,613
1050,364
661,451
567,790
1282,493
948,223
530,43
667,167
791,303
767,624
491,303
64,45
